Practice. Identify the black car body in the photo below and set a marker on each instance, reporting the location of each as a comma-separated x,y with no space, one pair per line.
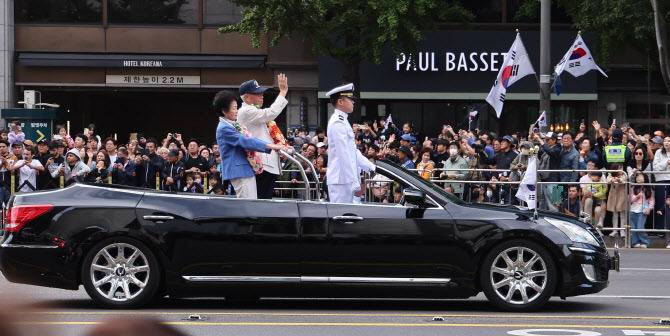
128,246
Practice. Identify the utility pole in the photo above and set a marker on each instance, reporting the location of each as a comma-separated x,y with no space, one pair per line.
545,56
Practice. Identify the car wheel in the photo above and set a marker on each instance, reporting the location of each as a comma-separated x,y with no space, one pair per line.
518,275
121,273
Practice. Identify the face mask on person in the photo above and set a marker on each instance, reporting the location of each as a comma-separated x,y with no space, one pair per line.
453,152
525,151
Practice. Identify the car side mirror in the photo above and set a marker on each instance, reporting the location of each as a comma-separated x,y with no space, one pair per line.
414,197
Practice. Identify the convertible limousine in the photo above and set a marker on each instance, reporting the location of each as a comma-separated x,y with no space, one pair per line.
128,246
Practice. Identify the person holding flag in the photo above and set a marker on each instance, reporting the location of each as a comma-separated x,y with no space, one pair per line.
515,66
577,61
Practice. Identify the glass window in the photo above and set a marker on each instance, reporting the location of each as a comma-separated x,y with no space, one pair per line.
221,12
153,11
646,118
58,11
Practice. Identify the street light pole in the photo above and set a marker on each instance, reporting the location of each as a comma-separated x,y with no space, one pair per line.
545,56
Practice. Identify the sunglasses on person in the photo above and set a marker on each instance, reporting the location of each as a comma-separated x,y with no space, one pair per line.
639,153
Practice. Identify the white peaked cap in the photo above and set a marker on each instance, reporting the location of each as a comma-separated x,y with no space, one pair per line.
342,88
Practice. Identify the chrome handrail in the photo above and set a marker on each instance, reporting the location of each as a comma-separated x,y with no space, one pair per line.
316,177
302,172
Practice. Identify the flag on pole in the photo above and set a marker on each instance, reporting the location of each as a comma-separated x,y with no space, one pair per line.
557,85
389,121
542,120
577,61
527,192
515,66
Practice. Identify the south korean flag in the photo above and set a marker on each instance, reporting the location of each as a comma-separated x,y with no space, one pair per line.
515,66
527,191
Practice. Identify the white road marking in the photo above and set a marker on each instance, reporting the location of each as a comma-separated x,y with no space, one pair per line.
646,269
553,332
645,333
625,296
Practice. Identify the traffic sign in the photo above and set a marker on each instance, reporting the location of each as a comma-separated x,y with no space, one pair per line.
35,130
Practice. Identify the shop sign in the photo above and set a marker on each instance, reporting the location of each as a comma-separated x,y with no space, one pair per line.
456,61
152,80
142,64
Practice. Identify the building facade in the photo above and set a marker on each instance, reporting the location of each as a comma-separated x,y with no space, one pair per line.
148,66
154,67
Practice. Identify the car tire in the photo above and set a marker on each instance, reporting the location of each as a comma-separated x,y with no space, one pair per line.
514,284
121,273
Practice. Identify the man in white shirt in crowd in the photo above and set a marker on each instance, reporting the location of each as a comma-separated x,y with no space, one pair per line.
28,170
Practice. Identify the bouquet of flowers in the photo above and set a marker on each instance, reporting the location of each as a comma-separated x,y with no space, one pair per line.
276,134
254,158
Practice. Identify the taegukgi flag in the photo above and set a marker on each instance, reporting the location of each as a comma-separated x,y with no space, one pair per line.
577,60
527,191
515,66
542,120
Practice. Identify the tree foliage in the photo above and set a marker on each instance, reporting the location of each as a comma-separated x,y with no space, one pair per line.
348,30
617,24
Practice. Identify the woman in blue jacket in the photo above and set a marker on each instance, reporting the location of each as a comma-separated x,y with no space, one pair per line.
233,146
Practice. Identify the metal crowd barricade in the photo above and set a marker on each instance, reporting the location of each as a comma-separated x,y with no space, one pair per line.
507,196
502,195
545,201
665,187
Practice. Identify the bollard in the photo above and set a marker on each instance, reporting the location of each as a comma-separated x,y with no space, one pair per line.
12,183
62,181
205,183
158,181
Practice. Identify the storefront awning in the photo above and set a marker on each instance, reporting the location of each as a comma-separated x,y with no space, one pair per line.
94,60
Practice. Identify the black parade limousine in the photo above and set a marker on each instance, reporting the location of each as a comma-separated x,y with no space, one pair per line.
128,246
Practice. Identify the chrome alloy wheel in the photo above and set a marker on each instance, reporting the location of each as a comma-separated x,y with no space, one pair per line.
518,275
120,272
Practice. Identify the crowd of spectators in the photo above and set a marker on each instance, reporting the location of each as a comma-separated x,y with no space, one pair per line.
628,171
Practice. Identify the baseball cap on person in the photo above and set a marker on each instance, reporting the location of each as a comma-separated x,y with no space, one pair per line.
320,144
43,142
173,153
551,135
407,137
406,150
657,140
251,86
526,144
56,144
508,138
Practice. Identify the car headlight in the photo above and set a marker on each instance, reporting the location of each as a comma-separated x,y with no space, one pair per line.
573,231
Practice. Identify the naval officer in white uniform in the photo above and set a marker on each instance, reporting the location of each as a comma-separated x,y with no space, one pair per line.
345,161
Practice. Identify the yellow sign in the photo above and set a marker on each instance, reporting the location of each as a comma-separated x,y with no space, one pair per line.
41,135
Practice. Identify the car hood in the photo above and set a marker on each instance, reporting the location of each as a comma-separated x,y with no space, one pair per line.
525,212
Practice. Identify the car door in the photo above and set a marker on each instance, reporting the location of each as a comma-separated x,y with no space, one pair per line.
387,241
222,237
383,241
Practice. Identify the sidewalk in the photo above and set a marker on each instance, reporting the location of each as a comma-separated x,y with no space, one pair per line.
656,242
